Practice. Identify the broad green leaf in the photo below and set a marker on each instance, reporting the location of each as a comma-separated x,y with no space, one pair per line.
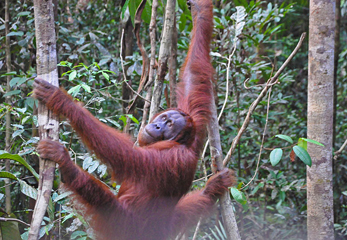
274,193
124,8
19,159
312,141
241,3
255,190
17,81
238,196
282,196
182,4
303,155
17,133
4,174
133,118
76,234
27,190
8,74
67,217
62,196
275,156
114,122
64,64
182,22
11,93
9,229
86,87
72,75
302,143
19,33
124,119
147,13
74,90
285,137
14,81
106,76
21,14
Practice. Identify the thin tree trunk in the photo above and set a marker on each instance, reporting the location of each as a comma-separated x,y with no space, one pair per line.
336,184
8,113
165,46
228,215
148,87
173,66
127,50
336,59
48,125
320,215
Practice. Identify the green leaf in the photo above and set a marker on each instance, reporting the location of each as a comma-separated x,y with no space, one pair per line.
182,22
182,4
9,229
147,13
86,87
133,118
23,14
76,234
67,217
285,137
124,119
238,195
302,143
27,190
19,33
114,123
303,155
4,174
62,196
15,92
9,74
255,190
312,141
14,81
17,133
275,156
74,90
19,159
17,81
106,76
72,75
124,8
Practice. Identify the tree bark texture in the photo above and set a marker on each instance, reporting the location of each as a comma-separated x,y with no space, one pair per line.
48,124
173,66
336,59
320,111
127,50
164,52
229,220
8,113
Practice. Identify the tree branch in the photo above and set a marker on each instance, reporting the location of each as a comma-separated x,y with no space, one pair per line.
272,81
